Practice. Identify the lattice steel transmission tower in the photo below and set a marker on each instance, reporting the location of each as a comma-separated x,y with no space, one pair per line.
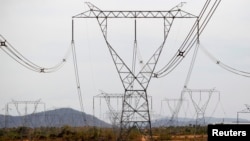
135,106
200,99
172,105
25,121
114,104
115,112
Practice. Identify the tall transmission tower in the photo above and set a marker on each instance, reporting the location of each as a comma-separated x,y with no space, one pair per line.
135,106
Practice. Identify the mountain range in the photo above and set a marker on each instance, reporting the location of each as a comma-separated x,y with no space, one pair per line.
74,118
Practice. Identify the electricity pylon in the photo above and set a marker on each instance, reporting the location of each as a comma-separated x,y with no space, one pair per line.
25,104
114,113
135,106
200,99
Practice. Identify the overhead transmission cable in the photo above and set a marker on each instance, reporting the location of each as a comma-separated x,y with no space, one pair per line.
183,50
224,66
190,39
179,104
195,39
77,75
192,65
22,60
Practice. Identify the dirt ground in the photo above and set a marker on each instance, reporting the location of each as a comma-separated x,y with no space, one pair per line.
181,138
189,138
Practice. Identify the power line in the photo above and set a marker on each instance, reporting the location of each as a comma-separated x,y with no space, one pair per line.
77,74
198,27
224,66
25,62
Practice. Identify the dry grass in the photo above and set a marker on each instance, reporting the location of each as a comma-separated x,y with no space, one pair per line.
189,138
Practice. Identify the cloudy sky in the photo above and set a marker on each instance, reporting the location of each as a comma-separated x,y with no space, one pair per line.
41,31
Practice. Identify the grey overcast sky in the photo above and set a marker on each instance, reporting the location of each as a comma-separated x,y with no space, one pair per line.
41,31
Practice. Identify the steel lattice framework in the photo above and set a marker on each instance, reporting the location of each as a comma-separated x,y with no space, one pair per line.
172,105
244,111
115,114
25,104
135,107
200,107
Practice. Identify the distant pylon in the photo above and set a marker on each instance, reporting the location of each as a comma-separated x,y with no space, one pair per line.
25,122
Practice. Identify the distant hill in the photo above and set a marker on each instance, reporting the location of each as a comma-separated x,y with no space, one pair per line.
74,118
52,118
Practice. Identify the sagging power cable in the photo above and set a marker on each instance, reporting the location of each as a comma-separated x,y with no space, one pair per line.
190,39
22,60
224,66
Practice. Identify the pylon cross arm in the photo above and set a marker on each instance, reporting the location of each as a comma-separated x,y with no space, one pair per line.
95,12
